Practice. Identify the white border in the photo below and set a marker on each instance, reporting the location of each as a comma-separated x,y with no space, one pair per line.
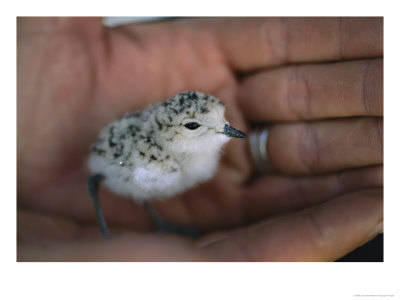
200,280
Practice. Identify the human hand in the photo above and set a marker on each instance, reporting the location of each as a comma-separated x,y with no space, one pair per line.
74,76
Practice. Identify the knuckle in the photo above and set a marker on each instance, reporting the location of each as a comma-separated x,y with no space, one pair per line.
372,87
368,138
308,148
298,93
378,134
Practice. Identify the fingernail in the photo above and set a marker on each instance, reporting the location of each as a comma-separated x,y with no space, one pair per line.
377,229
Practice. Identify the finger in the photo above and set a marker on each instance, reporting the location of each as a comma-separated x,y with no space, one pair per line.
127,246
321,233
255,43
325,146
36,228
53,24
275,194
310,92
215,46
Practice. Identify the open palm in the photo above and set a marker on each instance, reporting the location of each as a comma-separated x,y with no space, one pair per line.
75,76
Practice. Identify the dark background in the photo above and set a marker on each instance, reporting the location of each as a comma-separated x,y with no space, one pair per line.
371,251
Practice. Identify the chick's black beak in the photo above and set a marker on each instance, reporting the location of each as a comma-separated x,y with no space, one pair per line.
232,132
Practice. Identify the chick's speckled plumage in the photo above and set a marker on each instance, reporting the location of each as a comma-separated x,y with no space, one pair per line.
152,155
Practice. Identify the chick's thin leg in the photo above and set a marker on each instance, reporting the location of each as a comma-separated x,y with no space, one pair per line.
93,190
163,226
93,182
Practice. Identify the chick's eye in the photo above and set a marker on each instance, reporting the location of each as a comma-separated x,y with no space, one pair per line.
192,125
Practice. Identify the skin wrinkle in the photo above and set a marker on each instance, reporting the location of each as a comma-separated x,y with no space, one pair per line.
244,250
130,34
379,131
298,91
233,238
368,126
295,191
307,97
96,66
234,246
299,192
373,135
340,34
291,77
340,183
124,33
271,32
318,237
265,35
285,39
363,92
105,41
308,149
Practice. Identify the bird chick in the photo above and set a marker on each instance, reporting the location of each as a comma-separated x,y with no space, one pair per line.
161,151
